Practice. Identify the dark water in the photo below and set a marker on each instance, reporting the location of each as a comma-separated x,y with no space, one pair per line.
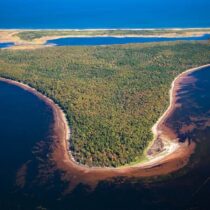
113,40
6,44
104,13
24,135
24,130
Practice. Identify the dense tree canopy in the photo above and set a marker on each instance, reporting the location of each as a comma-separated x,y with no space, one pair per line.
112,95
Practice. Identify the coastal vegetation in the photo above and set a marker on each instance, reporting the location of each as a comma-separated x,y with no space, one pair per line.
36,34
112,95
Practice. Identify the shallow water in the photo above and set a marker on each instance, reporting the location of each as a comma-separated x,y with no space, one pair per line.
25,151
81,41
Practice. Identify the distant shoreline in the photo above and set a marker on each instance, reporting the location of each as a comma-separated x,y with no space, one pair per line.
37,38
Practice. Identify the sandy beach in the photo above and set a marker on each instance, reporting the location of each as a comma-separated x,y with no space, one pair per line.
174,156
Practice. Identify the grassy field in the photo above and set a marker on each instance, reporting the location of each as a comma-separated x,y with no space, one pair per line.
112,95
30,35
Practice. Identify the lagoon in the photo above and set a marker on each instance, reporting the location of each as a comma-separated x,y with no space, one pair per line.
6,44
91,41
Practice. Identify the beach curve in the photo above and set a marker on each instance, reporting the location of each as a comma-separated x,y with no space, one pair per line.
173,158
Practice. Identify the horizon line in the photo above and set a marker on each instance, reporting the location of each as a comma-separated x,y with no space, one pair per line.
104,29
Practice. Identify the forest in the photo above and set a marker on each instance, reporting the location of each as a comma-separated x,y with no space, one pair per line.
112,95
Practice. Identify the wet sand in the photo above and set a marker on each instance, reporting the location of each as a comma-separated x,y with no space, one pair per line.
174,156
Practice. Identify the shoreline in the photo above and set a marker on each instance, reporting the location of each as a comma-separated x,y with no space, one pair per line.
172,99
102,29
10,35
176,157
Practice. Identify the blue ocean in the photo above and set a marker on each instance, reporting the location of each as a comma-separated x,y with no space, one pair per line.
61,14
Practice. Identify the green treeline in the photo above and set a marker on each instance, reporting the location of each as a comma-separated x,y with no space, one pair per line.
112,95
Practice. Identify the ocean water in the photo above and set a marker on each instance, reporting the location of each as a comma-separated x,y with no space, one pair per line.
104,13
92,41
